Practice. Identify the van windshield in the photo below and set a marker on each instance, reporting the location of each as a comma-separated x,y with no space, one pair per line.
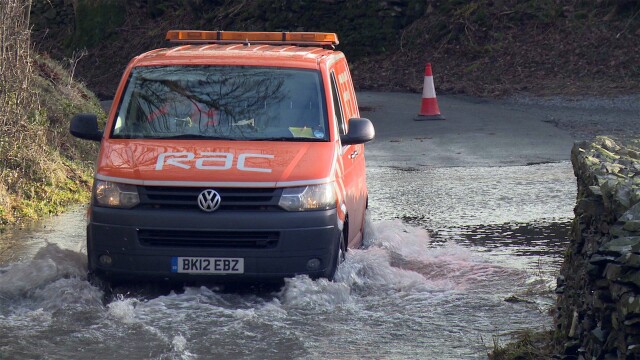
222,102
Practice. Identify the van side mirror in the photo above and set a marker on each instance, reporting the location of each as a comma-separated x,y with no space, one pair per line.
360,131
85,126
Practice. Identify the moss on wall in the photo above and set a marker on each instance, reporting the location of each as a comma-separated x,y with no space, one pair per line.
599,286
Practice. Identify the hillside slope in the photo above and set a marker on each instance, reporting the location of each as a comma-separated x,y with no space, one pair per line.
42,168
478,47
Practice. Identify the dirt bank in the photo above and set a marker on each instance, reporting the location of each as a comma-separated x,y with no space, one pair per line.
480,47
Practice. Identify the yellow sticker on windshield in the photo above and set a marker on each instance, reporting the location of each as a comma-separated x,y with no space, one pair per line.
305,132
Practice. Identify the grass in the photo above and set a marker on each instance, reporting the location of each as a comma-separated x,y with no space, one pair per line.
44,169
527,345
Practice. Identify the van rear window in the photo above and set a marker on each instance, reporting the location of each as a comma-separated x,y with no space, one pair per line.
222,102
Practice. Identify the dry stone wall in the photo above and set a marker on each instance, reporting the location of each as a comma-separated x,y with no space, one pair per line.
599,287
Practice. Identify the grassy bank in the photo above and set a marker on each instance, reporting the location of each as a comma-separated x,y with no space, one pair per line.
42,168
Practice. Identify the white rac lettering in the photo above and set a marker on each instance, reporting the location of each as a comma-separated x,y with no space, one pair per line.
243,157
225,158
210,161
184,157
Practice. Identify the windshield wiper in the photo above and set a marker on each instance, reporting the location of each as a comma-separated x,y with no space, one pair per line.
193,137
285,138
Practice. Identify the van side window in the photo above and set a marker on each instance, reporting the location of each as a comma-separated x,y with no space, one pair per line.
337,105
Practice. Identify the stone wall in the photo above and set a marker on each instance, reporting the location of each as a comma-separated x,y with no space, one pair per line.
599,286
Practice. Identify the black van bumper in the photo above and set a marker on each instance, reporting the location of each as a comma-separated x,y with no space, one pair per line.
144,244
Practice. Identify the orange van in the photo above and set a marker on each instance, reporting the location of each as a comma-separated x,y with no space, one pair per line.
231,156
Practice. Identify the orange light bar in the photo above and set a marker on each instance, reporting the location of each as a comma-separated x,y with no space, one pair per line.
228,37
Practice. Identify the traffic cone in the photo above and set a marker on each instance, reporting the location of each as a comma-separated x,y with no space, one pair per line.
429,109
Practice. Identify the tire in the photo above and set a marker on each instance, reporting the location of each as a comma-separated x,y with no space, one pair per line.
338,256
103,284
368,232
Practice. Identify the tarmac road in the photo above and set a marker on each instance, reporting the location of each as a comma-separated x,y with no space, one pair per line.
517,131
476,132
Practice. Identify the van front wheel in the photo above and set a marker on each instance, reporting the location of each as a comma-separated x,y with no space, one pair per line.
339,256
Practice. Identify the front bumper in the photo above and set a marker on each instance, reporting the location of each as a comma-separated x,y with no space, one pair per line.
299,237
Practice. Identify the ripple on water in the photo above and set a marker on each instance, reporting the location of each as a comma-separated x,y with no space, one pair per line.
402,296
439,198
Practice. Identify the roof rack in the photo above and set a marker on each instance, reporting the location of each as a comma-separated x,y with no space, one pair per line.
249,37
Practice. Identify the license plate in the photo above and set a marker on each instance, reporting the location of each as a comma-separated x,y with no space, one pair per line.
207,265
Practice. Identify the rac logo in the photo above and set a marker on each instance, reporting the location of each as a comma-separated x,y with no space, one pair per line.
210,161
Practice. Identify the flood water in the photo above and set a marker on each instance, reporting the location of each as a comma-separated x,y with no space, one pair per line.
454,258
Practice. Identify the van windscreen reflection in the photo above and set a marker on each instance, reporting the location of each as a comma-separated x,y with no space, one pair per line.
222,102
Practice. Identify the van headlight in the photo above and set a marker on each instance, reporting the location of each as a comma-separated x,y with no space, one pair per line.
115,195
306,198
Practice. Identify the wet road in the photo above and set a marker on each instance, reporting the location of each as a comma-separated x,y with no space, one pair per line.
476,132
459,224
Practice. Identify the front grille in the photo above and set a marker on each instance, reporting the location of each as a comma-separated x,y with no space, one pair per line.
209,239
256,199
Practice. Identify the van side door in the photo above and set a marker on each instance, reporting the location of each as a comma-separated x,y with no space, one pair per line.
351,156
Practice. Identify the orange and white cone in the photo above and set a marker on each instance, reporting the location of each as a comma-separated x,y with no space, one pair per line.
429,109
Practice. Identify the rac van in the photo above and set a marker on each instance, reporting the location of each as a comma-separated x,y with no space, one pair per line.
231,156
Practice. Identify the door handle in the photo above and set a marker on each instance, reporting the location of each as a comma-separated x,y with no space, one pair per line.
354,154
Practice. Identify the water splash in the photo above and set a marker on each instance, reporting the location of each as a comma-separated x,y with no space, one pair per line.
406,256
320,295
179,349
48,265
402,295
123,310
